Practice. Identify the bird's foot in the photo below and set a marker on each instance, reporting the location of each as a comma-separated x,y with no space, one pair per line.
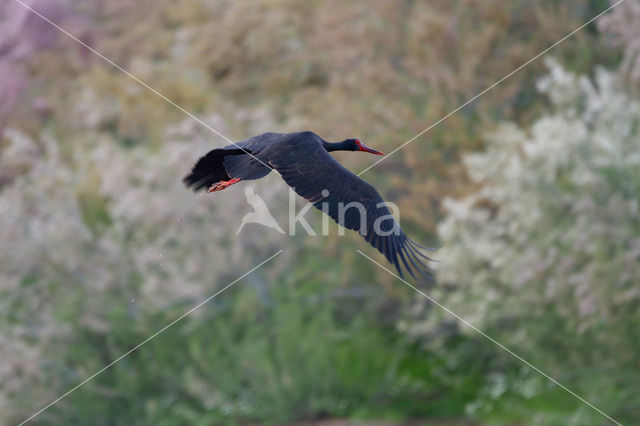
219,186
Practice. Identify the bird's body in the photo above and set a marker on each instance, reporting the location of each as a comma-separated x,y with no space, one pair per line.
304,162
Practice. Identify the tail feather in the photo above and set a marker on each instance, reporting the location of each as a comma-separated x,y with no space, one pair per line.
210,169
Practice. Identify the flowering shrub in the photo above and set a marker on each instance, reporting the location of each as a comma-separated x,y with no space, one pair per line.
546,252
106,228
618,28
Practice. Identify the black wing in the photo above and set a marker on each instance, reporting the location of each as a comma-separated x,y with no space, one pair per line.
309,169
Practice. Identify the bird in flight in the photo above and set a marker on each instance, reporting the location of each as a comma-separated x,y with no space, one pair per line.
303,161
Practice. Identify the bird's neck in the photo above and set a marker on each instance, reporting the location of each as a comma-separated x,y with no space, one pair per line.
335,146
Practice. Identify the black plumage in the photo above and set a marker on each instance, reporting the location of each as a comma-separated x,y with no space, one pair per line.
304,162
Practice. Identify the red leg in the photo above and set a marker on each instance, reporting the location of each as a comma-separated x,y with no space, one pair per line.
219,186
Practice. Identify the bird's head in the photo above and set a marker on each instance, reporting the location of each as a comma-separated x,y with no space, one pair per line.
354,144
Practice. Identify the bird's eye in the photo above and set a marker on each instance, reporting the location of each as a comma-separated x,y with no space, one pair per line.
358,142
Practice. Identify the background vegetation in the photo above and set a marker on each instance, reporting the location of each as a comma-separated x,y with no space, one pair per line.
531,189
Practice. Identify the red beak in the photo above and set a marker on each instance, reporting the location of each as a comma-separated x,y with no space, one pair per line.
365,148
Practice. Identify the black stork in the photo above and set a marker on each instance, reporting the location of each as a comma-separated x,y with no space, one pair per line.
303,161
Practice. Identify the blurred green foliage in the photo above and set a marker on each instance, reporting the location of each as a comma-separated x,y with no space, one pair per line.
303,355
101,246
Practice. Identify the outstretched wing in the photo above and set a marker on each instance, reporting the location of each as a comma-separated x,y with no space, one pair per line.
314,174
